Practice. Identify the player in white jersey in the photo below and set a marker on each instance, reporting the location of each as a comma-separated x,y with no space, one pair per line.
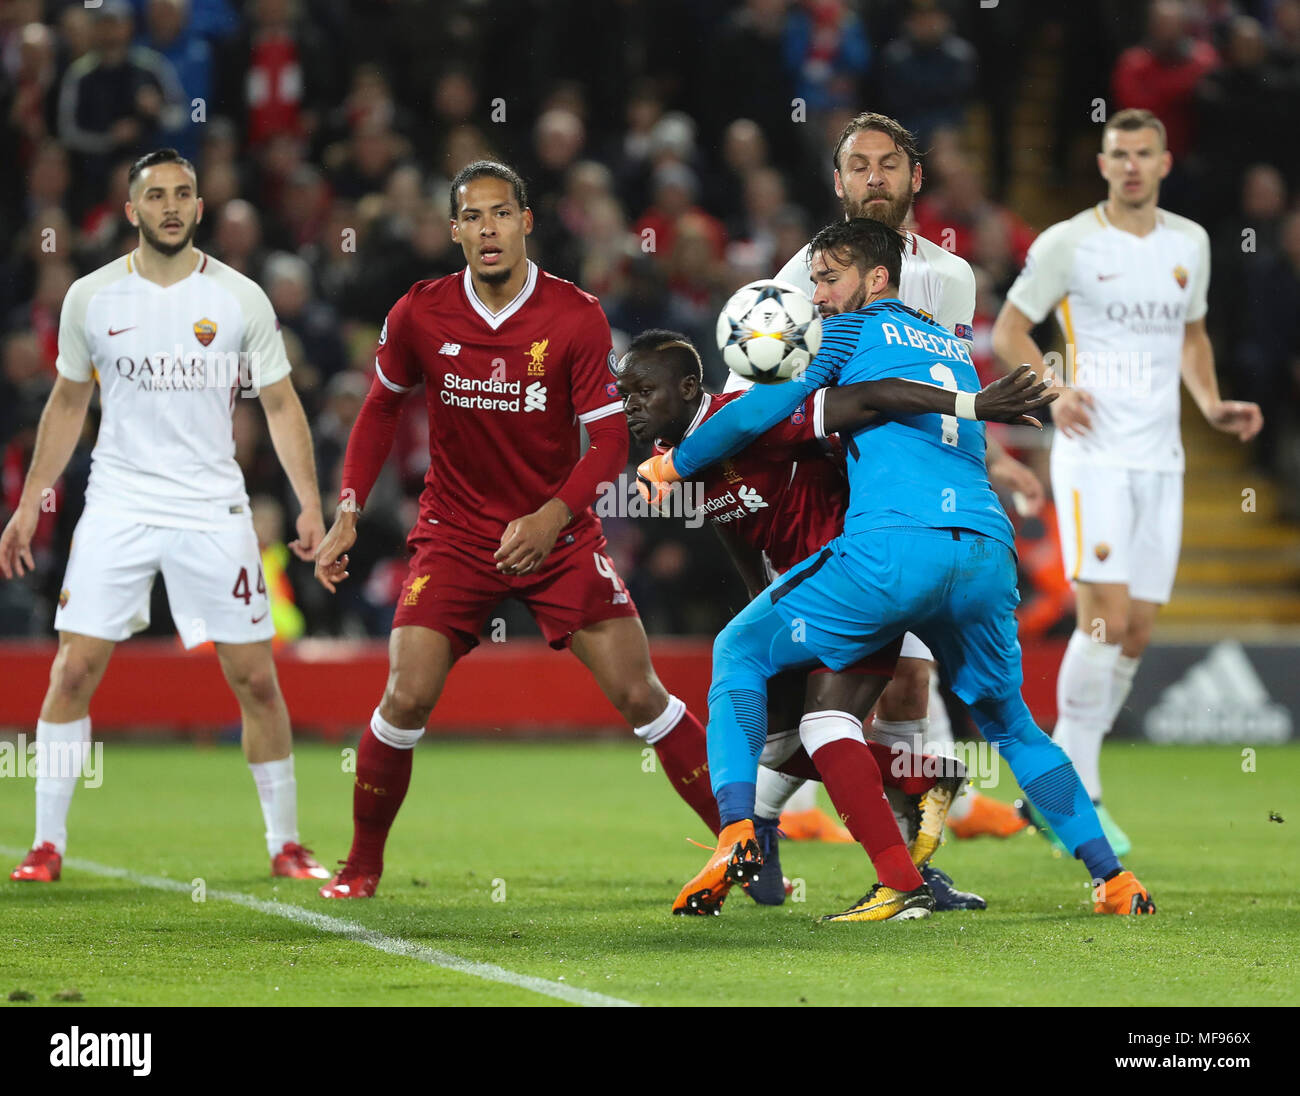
1128,282
877,174
173,338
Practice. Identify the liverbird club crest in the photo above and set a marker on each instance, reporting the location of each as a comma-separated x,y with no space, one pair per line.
205,331
1180,276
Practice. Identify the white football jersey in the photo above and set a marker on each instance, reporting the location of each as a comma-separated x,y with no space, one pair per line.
170,364
1123,303
935,282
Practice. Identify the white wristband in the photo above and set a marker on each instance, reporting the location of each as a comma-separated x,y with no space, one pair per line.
965,405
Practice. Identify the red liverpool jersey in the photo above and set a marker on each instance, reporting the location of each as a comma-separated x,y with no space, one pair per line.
782,493
505,393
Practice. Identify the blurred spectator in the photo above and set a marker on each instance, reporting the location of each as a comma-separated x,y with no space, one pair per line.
744,150
826,48
361,165
288,70
748,76
30,96
1244,105
1264,365
927,75
288,283
952,214
269,526
237,241
675,190
172,35
1161,74
118,100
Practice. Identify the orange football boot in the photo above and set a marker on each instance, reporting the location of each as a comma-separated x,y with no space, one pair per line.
987,817
736,860
1123,895
814,824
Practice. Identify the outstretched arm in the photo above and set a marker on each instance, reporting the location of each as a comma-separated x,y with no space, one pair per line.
1008,399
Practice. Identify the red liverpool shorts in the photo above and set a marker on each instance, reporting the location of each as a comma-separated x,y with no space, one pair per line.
452,585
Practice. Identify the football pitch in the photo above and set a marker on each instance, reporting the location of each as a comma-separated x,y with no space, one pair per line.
542,873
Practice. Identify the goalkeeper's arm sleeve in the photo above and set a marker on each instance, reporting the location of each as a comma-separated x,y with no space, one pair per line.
370,441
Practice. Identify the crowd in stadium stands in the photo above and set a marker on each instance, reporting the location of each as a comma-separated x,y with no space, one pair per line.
674,150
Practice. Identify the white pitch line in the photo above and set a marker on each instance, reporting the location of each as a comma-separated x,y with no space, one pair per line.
351,930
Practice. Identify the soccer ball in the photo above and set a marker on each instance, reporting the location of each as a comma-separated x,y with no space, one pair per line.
768,331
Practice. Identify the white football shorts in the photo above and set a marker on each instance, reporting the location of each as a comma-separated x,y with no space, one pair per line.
1120,525
914,648
214,580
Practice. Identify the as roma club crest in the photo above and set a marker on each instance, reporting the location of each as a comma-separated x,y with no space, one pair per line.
63,598
1180,276
537,358
1102,550
205,331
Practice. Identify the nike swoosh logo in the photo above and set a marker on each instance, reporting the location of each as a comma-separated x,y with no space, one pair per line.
258,620
1107,277
119,331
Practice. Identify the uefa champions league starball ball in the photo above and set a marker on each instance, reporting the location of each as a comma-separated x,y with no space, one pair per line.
768,331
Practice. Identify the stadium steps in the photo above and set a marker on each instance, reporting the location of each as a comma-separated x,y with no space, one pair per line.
1237,567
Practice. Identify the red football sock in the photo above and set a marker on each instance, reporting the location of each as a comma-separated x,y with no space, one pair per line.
800,764
383,775
907,783
683,752
852,780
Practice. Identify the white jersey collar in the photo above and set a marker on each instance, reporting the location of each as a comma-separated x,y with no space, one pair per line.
495,319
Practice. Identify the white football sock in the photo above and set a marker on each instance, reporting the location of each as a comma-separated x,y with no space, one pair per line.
1121,684
61,750
662,724
1083,700
803,797
278,792
909,734
939,740
773,791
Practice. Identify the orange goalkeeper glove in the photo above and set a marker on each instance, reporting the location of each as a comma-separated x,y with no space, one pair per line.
655,477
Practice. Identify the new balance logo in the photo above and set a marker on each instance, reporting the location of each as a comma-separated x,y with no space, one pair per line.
535,397
752,499
1219,699
450,349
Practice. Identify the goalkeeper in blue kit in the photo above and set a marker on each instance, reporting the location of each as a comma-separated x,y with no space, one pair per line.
926,548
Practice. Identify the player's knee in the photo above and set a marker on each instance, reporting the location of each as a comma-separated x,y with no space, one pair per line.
1136,638
407,704
640,700
256,685
73,674
730,650
907,696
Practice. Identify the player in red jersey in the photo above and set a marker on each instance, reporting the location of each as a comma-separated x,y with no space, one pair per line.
512,360
783,498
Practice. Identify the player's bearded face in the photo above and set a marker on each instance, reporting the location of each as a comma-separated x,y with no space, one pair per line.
875,179
171,234
167,209
840,287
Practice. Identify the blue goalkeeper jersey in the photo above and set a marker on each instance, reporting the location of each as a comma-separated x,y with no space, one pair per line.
905,471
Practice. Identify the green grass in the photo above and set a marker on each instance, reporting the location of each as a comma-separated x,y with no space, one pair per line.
592,850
